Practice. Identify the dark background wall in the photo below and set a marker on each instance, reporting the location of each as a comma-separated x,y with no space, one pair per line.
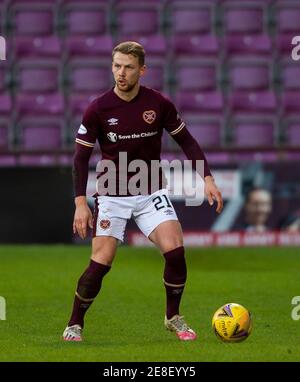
36,205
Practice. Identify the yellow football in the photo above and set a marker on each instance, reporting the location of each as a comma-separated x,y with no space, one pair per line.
232,323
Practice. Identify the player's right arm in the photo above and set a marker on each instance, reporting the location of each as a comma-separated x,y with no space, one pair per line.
85,141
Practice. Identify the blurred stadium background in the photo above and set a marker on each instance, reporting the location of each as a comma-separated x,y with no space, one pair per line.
226,64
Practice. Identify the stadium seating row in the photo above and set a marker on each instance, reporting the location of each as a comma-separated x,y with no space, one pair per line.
226,64
245,120
121,17
94,75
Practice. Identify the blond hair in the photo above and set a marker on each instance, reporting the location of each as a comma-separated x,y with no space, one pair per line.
131,47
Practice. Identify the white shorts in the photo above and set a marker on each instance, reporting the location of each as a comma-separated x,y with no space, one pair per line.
112,212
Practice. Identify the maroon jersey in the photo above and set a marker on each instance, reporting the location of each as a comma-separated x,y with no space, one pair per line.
133,127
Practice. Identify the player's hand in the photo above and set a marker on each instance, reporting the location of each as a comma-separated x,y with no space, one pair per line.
83,218
212,192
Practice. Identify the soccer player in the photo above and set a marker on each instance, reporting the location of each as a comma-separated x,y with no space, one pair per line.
130,118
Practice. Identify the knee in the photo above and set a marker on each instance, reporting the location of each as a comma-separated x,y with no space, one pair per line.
172,244
101,256
103,250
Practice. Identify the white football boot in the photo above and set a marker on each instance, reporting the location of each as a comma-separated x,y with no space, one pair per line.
73,333
180,327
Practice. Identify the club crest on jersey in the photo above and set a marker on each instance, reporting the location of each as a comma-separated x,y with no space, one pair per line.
104,224
149,116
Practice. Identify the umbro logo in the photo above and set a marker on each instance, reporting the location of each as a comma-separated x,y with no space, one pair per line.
168,212
177,291
112,121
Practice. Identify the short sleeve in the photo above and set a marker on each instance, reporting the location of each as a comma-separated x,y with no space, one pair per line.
172,120
88,131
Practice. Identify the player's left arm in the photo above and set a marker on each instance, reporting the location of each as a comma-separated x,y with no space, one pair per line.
177,129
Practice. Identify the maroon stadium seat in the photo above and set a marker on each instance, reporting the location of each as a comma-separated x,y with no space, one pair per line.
252,118
249,74
87,75
88,46
138,18
40,104
197,46
40,134
202,102
196,75
85,17
257,45
243,17
206,134
37,75
248,133
207,130
191,17
264,101
30,46
288,17
32,18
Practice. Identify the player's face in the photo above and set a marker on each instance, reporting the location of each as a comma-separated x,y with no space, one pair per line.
127,71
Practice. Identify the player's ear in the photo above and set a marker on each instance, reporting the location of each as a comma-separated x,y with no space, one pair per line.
143,70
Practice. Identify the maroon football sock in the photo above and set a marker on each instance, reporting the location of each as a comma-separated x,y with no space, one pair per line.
88,287
174,279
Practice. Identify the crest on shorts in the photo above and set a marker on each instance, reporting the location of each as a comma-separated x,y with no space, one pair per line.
149,116
104,224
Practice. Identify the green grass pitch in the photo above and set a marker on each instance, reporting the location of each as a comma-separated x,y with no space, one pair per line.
126,321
